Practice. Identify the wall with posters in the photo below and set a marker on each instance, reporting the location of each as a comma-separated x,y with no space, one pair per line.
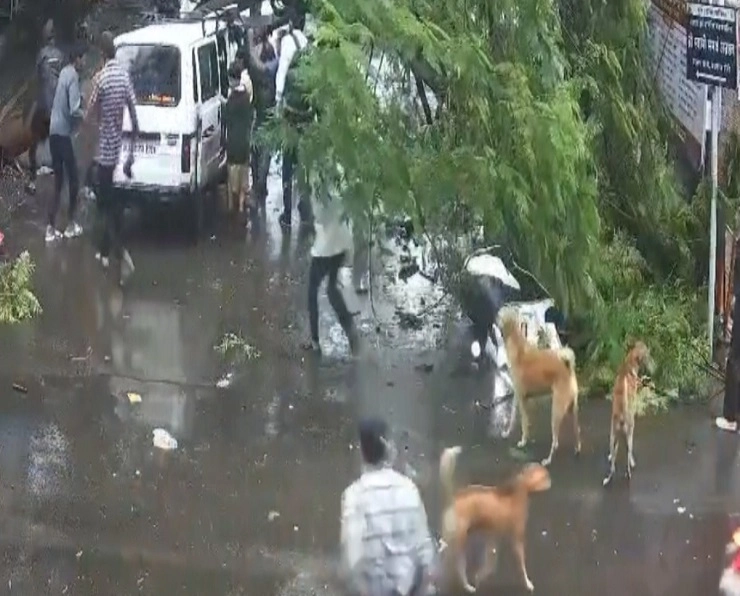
685,99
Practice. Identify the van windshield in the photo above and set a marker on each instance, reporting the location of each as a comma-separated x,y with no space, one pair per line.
154,71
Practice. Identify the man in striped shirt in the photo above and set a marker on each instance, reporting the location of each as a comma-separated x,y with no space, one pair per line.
387,549
112,92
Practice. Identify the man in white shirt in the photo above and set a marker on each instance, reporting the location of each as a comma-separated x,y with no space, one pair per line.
386,546
290,43
331,246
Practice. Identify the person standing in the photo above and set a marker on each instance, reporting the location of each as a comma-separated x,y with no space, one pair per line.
731,401
331,246
49,64
262,64
386,546
112,92
66,114
238,117
291,99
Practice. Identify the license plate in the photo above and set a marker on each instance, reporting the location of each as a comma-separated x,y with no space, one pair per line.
142,148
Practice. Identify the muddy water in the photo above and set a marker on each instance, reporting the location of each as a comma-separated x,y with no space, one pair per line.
248,503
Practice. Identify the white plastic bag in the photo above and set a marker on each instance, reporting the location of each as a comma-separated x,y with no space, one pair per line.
164,440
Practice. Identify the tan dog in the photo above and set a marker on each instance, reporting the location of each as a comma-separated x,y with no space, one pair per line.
624,395
498,511
536,371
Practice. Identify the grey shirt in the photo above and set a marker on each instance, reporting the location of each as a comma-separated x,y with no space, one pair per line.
66,112
48,65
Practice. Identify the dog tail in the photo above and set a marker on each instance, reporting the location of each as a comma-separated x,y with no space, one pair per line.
569,357
447,463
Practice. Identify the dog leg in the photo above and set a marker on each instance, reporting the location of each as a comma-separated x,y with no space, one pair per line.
519,551
576,427
462,571
557,420
630,455
489,565
524,416
612,456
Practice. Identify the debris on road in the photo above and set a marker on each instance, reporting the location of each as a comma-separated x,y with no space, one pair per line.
273,515
133,397
225,381
232,343
164,440
20,388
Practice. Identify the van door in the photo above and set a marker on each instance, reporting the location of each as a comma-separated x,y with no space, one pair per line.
205,58
223,69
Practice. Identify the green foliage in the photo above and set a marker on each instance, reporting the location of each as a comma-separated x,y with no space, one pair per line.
17,301
539,121
234,345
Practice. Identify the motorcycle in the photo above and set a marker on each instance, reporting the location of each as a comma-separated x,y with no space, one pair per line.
488,289
487,285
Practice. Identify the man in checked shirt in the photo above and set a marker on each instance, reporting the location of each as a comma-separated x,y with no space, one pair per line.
387,549
112,92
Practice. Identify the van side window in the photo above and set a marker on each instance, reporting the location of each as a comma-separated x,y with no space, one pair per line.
208,66
222,63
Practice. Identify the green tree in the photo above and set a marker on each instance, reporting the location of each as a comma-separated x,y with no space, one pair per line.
17,301
538,122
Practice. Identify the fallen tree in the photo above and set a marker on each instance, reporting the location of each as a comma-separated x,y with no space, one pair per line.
540,123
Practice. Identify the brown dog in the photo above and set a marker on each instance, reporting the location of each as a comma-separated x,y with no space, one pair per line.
624,394
498,511
536,371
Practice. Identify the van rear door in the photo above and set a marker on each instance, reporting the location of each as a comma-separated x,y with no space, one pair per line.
156,75
209,100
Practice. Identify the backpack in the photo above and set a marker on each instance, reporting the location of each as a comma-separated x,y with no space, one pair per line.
297,107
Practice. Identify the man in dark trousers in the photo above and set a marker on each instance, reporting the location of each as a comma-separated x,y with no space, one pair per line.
112,93
66,115
292,100
731,403
48,66
261,59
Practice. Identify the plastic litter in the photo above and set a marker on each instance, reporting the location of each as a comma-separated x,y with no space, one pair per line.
133,398
225,381
164,440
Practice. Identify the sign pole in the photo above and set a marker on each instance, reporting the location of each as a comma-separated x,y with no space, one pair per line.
715,95
711,58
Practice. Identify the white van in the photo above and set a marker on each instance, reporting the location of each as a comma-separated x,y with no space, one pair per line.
179,71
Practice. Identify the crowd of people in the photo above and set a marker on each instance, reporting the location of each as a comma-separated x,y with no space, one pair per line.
262,83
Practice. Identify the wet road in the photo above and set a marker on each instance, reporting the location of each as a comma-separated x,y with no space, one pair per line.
248,503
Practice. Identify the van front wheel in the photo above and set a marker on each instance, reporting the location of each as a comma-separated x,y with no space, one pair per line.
196,215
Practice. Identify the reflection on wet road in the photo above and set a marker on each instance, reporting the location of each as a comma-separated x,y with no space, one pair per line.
248,503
